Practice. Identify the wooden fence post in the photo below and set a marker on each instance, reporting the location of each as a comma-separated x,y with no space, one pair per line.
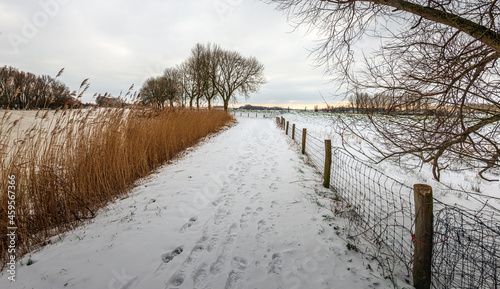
422,239
328,163
304,134
287,127
293,131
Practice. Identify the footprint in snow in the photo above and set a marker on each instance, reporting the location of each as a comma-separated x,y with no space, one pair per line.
258,211
261,224
275,264
256,197
167,257
216,267
191,221
239,263
220,215
244,221
234,280
177,279
212,244
200,277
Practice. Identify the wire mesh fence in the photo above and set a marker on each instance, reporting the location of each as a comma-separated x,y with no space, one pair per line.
378,204
465,246
466,250
315,149
255,113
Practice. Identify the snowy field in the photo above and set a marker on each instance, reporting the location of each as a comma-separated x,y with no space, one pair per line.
465,187
238,211
466,207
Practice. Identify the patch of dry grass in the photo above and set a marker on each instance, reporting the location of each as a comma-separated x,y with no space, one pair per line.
70,164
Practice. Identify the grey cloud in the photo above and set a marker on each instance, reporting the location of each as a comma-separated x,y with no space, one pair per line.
119,43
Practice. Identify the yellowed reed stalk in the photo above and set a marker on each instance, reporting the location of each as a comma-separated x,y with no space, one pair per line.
70,164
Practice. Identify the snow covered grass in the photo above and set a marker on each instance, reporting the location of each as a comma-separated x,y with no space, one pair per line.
464,203
455,187
69,163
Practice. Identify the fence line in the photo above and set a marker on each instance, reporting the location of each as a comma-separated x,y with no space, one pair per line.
254,114
465,248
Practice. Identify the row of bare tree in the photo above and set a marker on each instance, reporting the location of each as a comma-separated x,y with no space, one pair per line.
210,73
25,90
407,104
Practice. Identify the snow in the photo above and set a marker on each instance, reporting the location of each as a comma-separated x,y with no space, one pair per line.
464,187
241,210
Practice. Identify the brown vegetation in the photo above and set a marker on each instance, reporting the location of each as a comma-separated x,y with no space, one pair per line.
87,158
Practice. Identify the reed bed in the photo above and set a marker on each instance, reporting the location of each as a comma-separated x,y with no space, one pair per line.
70,163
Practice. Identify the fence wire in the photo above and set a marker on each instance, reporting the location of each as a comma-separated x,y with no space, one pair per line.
254,114
298,136
380,205
466,248
466,251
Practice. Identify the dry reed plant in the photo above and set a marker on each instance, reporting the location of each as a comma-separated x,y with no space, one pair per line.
86,159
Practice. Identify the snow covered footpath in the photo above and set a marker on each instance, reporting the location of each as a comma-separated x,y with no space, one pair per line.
234,212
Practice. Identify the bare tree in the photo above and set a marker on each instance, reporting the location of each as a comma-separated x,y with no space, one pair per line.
172,83
196,78
160,90
211,72
209,67
189,90
25,90
438,62
235,75
152,92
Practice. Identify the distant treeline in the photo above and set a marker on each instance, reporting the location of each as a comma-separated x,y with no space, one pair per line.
414,104
25,90
256,107
107,100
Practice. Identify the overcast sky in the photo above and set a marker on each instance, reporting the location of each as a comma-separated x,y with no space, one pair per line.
119,43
